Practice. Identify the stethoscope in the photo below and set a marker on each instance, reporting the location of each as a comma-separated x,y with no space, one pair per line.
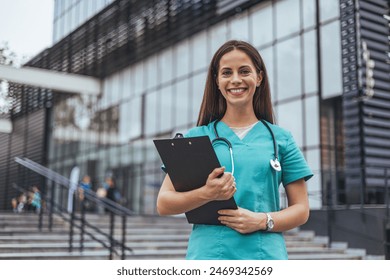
275,164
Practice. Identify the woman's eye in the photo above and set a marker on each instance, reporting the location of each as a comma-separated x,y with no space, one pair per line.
245,72
226,73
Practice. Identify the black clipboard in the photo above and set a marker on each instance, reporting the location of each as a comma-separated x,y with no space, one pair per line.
188,162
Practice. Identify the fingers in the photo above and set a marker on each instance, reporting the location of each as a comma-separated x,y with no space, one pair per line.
220,184
216,172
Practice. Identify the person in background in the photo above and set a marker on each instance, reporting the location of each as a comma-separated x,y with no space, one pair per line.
85,186
112,191
19,204
36,199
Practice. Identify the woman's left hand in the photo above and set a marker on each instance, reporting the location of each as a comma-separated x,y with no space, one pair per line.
242,220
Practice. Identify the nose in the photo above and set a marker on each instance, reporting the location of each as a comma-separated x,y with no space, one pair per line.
236,78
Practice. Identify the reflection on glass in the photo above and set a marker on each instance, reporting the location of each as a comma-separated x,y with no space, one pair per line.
138,80
152,72
165,109
262,25
182,105
329,9
314,186
165,63
290,117
312,121
331,60
217,36
267,55
127,88
198,84
199,51
130,119
289,70
309,13
287,17
310,62
239,27
182,57
151,109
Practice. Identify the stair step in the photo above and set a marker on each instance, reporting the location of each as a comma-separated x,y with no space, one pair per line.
322,256
64,246
150,237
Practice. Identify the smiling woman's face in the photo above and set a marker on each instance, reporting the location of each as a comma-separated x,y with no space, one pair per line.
237,79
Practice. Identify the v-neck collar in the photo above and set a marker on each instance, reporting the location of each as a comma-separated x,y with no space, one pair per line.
230,134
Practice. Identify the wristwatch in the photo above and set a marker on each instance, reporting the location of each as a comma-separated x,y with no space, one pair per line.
269,225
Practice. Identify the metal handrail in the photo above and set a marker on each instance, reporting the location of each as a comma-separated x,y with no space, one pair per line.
85,227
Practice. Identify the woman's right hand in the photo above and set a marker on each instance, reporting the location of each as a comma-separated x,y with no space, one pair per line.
217,187
220,185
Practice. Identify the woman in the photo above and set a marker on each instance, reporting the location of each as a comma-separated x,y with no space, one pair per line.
237,106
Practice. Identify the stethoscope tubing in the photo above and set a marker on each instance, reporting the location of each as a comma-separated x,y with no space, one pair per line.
274,162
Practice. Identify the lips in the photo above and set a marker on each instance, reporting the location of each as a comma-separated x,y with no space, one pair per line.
236,91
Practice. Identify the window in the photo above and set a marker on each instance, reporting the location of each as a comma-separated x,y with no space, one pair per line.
127,84
138,80
182,106
331,60
151,113
309,13
262,25
312,121
329,9
267,55
152,70
165,63
166,109
290,118
198,84
199,51
217,37
310,62
182,57
287,17
288,55
130,119
314,184
239,27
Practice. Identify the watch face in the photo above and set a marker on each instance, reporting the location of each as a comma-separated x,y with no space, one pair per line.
271,224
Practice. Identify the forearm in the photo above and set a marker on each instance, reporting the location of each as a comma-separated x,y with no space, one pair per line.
246,221
172,202
288,218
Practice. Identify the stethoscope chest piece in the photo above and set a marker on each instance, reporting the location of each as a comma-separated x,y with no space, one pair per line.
275,164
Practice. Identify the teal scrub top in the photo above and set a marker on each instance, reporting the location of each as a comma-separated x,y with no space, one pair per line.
257,190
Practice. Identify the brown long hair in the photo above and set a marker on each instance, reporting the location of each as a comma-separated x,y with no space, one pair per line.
214,104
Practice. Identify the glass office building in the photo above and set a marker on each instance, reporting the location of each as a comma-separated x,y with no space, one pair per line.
152,58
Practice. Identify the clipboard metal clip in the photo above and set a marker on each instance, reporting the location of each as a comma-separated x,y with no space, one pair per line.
178,135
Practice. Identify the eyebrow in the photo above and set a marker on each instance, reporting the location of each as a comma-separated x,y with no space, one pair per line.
243,66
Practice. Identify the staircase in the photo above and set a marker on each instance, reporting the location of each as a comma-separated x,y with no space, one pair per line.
149,237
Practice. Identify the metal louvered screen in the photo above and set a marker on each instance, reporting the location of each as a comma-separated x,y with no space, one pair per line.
128,31
366,97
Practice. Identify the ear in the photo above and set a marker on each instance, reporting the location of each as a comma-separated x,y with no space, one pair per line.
259,78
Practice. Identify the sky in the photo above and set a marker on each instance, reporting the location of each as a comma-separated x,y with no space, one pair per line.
27,25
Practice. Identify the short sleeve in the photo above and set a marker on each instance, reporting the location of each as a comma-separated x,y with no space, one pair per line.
294,165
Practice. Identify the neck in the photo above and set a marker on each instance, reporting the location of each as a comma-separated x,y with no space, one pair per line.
237,118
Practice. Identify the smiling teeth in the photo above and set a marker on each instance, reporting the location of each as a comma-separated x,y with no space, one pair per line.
237,90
